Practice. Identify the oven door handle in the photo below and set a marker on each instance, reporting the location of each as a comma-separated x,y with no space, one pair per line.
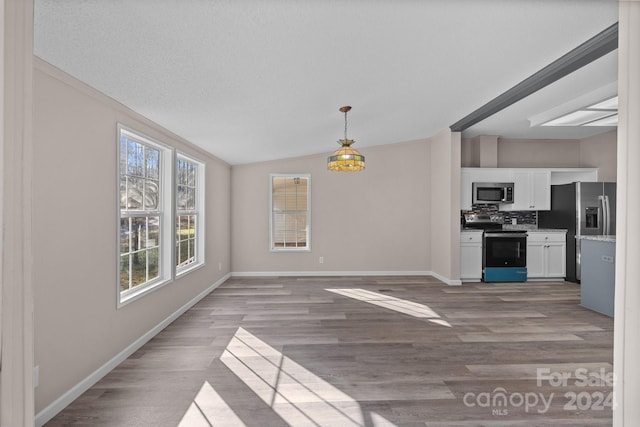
505,235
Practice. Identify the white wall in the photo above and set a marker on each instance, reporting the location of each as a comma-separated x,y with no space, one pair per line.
75,227
598,151
532,153
444,181
374,220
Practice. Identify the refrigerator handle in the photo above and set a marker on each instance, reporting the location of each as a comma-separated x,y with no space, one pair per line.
608,216
604,214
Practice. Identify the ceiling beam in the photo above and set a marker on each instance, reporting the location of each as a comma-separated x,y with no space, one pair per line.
594,48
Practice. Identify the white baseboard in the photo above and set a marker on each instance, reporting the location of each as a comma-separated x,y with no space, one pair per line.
328,273
63,401
450,282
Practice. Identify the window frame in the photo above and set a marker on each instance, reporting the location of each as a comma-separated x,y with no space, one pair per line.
198,211
272,246
164,212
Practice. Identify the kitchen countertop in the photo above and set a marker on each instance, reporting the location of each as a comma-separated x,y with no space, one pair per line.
533,229
605,238
529,229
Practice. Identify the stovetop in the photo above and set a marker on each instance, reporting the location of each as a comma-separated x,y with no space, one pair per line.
483,221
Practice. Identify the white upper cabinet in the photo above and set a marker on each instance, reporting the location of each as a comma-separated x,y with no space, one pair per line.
471,175
532,187
531,192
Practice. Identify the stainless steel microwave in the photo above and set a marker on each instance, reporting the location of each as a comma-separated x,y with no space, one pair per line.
492,192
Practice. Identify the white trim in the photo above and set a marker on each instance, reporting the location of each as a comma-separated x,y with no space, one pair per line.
272,247
16,255
200,210
72,394
165,211
450,282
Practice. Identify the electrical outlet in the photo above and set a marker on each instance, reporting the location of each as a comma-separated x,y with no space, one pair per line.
321,260
219,266
36,376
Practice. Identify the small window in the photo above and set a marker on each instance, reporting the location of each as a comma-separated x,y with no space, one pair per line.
143,173
290,212
189,250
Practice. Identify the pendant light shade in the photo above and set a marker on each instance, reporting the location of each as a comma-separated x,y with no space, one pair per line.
345,158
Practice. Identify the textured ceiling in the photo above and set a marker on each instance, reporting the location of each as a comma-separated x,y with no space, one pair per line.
258,80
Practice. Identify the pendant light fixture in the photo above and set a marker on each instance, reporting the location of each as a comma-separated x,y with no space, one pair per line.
345,158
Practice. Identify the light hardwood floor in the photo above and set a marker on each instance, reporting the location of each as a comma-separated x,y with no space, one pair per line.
403,351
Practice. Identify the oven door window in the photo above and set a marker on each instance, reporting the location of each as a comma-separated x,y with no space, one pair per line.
506,252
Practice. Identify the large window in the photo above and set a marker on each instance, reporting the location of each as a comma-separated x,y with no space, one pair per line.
143,174
189,245
290,212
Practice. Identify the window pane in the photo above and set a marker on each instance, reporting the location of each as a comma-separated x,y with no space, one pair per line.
278,202
135,189
152,157
152,255
290,205
182,197
183,223
302,194
192,227
123,192
138,233
192,250
191,199
124,235
184,252
181,179
191,179
150,195
138,268
187,192
124,272
141,174
135,158
278,228
153,227
123,156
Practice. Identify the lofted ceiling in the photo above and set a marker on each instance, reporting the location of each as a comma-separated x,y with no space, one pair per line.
255,80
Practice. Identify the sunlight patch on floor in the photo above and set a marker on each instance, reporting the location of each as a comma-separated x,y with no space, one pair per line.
296,394
208,407
392,303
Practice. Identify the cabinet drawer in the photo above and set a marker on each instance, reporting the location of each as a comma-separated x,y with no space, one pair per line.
536,237
471,237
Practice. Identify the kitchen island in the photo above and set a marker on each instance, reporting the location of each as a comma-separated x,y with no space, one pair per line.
597,268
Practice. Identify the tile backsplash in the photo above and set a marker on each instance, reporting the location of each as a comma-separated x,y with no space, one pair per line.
521,217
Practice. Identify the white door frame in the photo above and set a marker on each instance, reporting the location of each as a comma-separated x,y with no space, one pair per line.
16,82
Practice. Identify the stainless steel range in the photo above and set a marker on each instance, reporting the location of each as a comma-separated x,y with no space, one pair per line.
504,252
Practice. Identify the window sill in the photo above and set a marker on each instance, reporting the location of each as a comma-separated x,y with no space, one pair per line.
189,269
138,293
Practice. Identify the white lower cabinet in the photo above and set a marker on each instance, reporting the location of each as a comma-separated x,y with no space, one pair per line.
546,255
471,255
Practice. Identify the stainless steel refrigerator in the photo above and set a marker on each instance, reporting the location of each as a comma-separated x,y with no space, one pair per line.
584,209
